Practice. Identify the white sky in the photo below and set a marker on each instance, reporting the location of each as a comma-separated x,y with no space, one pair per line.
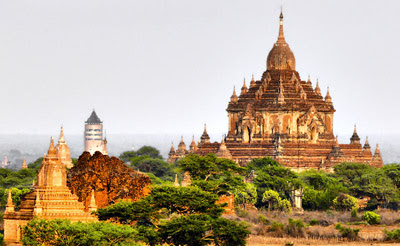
169,66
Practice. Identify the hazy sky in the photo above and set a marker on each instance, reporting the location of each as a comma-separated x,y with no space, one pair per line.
170,66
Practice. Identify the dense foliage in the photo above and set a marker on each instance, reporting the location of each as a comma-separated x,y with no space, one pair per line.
195,218
64,232
148,160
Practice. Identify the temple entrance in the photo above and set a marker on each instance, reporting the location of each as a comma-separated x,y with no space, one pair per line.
314,135
246,135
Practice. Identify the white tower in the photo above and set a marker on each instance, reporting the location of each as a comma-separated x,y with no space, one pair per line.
93,136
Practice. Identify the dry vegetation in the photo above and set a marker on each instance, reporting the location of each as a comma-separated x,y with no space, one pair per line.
319,228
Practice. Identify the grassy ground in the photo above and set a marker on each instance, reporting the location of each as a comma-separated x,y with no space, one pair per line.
319,228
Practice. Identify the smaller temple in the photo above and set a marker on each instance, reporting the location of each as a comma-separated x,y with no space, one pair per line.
49,198
24,166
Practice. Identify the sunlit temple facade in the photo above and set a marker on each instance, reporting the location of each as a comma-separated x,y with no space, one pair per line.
283,117
49,197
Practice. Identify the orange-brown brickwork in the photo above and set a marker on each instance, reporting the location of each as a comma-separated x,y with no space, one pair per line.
109,177
49,198
284,117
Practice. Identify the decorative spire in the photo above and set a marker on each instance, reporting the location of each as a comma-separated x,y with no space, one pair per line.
176,182
355,139
244,87
234,97
281,37
193,146
309,79
182,145
10,204
223,151
52,150
366,145
172,149
252,82
92,206
24,166
205,138
61,139
328,98
317,89
337,141
377,150
38,209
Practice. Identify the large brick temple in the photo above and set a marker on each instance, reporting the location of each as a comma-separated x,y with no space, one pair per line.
284,117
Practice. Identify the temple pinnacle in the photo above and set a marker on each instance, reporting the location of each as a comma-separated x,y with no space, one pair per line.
281,37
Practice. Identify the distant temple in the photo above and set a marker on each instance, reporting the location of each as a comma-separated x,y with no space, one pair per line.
93,135
49,198
283,117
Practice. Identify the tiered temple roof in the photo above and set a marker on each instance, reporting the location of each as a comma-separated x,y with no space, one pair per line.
49,198
284,117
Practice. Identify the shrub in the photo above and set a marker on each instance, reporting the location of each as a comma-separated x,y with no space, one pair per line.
393,235
354,213
347,232
295,228
345,202
314,222
263,220
278,229
371,218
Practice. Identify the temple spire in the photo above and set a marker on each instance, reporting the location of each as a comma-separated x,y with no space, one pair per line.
61,139
176,182
317,89
355,139
281,98
328,98
252,82
234,97
24,166
205,138
281,37
52,149
10,204
92,206
244,87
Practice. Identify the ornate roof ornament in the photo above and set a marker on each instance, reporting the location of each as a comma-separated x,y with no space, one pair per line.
355,139
244,87
281,57
205,138
366,145
317,89
234,97
328,98
252,82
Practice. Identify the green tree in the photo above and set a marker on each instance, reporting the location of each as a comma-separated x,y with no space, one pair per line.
217,175
63,232
246,195
270,175
149,151
194,213
345,202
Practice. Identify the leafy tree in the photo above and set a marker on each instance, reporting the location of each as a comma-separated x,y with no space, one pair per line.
158,167
345,202
127,156
195,215
320,190
273,200
246,195
216,175
149,151
371,218
199,230
63,232
270,175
